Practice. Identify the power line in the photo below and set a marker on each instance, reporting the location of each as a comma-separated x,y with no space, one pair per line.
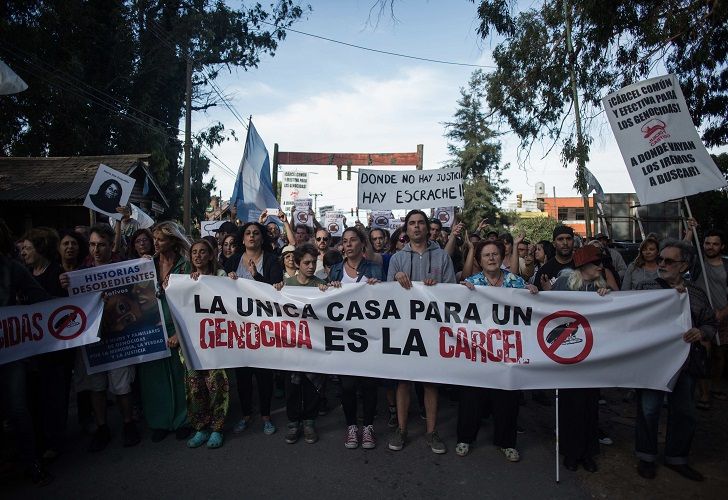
378,51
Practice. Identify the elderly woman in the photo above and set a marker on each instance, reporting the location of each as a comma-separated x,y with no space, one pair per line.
162,380
356,269
208,397
490,255
72,249
579,408
644,267
39,253
259,263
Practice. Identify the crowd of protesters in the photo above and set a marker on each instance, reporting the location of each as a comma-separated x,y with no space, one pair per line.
194,405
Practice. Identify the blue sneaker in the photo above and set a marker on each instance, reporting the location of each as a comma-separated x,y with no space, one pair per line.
215,440
198,439
240,426
268,428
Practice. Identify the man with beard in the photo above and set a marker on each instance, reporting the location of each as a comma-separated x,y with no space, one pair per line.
563,237
716,269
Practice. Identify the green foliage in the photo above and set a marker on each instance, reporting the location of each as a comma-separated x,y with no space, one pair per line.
475,149
108,76
615,43
536,228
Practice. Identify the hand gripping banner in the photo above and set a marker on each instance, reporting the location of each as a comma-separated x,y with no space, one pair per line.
488,337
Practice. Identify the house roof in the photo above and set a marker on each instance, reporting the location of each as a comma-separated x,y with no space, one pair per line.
62,178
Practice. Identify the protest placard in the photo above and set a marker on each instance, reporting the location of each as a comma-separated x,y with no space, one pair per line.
334,222
487,337
208,227
660,146
49,326
446,215
109,189
302,212
380,218
408,189
132,329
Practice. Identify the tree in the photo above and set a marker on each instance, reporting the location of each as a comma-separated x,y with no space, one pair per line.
108,76
615,43
536,228
475,149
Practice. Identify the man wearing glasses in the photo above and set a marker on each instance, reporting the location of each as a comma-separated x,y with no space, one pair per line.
323,241
676,257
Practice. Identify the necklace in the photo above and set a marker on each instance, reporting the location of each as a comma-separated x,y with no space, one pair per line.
38,273
491,283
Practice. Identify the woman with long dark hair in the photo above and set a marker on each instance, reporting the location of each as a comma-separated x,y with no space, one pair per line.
544,252
207,391
257,262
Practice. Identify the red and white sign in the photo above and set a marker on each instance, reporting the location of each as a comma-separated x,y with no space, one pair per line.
49,326
660,145
446,333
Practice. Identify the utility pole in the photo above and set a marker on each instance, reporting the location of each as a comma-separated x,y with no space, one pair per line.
580,165
315,199
188,140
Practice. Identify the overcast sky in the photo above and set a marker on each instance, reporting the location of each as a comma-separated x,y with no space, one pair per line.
319,96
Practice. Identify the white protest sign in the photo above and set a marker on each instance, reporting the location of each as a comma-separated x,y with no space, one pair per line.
408,189
301,212
660,146
49,326
381,218
109,189
133,328
208,227
138,215
446,215
334,222
395,224
487,337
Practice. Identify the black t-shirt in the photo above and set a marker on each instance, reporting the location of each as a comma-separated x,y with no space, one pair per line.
552,268
50,281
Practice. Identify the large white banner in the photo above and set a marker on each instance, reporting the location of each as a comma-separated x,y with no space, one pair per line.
661,148
133,329
488,337
408,189
49,326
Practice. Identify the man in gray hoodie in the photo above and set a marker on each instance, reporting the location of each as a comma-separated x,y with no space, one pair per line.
420,260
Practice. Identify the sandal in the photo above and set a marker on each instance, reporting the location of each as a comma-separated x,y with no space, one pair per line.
198,439
215,440
462,449
719,395
702,405
511,454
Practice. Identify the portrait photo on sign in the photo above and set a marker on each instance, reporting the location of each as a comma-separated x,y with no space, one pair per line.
110,189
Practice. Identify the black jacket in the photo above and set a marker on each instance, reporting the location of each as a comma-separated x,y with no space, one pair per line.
272,270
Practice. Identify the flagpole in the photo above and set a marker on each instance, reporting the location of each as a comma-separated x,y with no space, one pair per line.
699,249
557,436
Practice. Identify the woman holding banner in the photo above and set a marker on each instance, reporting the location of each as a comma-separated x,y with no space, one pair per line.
259,263
208,396
356,269
162,380
579,408
504,404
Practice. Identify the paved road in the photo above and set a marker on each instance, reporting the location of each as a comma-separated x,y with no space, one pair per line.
253,465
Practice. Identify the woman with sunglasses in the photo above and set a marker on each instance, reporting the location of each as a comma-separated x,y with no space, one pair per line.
259,263
207,391
490,255
579,408
398,240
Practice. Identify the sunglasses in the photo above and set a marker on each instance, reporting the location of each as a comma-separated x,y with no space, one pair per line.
668,262
403,239
322,239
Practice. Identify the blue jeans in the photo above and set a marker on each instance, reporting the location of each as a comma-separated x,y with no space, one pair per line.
680,421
